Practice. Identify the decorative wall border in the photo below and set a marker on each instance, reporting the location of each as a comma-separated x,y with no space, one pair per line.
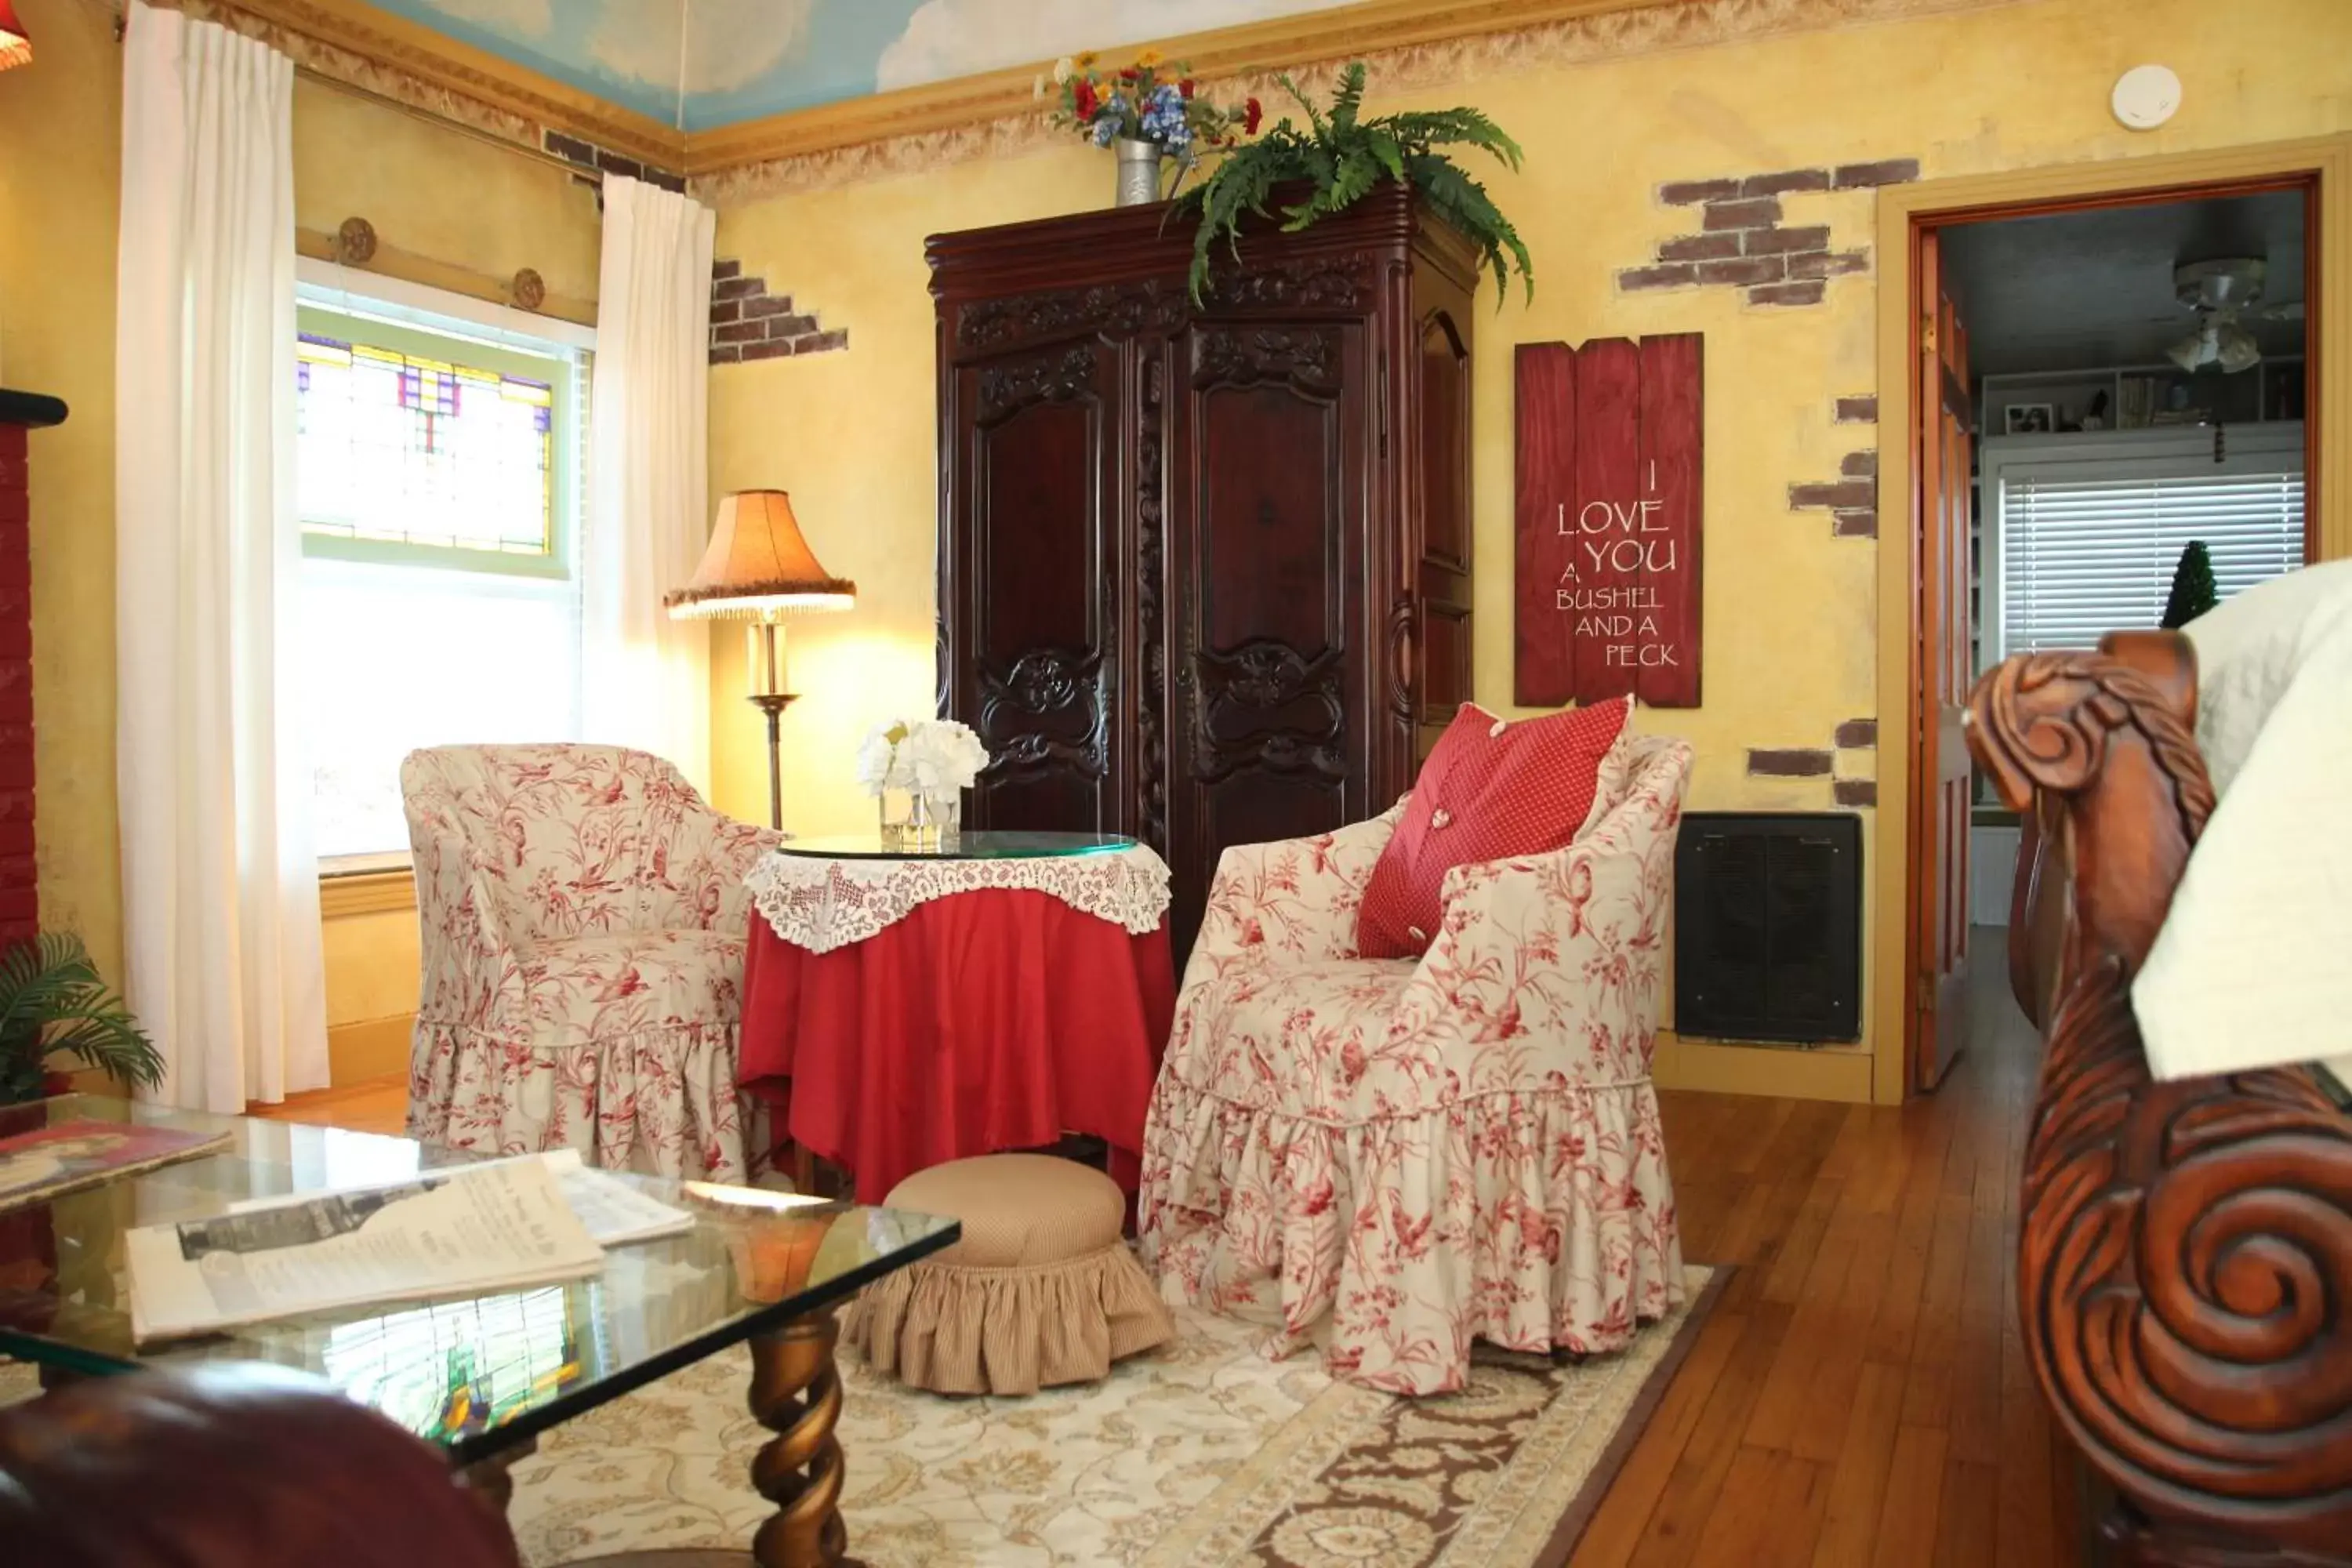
1408,44
353,44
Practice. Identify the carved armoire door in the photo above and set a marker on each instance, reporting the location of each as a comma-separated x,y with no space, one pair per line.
1030,577
1267,655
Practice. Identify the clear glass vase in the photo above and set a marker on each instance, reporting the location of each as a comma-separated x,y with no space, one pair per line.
944,809
898,812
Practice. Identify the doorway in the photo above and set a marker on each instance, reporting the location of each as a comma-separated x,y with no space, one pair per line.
1943,417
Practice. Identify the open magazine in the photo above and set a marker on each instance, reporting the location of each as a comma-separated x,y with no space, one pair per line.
615,1212
503,1225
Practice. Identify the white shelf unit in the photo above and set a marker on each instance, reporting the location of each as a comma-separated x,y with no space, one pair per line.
2270,392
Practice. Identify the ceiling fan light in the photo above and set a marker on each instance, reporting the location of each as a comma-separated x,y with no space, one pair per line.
2236,350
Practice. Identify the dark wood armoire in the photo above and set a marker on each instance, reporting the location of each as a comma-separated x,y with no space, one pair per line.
1204,569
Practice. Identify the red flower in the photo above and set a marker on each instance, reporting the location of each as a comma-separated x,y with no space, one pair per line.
1185,86
1251,114
1128,75
1082,98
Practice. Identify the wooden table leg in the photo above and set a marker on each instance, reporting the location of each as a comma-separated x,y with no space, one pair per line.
796,1395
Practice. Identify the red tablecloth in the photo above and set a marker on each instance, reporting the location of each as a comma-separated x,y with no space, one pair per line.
988,1020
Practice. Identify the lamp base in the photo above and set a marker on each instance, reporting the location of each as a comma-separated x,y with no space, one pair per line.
773,703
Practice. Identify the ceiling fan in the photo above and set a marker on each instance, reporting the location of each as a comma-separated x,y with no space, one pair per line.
2225,294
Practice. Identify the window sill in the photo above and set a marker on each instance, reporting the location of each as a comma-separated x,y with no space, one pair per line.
365,885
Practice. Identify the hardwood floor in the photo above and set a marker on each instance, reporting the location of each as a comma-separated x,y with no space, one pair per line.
371,1105
1861,1395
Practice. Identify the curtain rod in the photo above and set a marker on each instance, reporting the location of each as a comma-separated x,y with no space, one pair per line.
578,171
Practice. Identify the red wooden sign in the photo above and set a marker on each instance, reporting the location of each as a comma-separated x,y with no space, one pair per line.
1610,439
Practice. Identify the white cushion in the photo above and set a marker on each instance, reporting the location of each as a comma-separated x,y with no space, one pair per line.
2250,970
2249,650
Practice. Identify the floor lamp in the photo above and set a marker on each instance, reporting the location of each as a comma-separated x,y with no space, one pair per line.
758,568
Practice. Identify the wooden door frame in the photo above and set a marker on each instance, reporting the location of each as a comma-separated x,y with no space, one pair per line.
1904,212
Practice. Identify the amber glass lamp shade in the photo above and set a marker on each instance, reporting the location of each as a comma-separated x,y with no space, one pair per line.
16,48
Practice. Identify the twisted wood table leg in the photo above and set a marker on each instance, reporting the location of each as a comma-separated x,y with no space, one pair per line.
796,1395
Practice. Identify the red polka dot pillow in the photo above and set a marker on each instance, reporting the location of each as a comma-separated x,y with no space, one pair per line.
1491,789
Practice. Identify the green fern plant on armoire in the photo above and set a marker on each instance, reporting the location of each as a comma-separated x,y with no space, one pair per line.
1340,156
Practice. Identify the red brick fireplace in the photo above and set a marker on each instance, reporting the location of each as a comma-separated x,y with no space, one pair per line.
20,906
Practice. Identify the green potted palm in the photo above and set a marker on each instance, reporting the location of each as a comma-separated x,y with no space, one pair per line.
54,1005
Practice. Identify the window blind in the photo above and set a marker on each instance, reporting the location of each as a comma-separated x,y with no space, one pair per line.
2083,557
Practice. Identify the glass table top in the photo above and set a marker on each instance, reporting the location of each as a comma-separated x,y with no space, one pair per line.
971,843
478,1374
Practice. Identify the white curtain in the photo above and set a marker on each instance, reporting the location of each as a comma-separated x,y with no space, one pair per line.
220,890
646,677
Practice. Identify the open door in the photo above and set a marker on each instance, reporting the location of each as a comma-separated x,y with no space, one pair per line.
1939,914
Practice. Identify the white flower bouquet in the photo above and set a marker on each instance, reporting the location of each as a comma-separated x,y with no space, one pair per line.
931,756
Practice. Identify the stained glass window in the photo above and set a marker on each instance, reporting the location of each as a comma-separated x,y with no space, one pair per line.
437,478
407,450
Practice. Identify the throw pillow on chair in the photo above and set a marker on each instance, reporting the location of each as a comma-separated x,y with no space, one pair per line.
1492,788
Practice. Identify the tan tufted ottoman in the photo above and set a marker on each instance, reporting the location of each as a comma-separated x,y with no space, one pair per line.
1041,1290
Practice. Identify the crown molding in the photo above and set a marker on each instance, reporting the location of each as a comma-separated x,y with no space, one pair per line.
1408,42
1251,48
352,42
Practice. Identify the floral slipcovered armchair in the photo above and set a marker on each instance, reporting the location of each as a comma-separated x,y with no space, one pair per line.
583,920
1460,1147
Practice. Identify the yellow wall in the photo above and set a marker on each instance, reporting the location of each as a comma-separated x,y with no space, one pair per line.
60,127
429,190
1791,613
436,192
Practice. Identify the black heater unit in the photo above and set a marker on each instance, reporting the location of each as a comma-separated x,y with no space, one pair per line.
1768,926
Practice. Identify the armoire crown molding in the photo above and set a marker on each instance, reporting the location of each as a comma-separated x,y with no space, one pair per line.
1408,43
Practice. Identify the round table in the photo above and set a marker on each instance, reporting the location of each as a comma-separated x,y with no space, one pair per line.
903,1009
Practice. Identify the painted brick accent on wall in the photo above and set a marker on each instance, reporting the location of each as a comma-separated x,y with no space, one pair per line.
1851,498
588,156
1862,409
1744,240
747,322
1856,781
1789,765
1849,765
20,914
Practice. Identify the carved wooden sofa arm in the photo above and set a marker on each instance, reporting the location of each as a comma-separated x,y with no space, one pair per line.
2185,1262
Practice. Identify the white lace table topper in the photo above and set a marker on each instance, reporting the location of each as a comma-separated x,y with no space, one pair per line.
820,903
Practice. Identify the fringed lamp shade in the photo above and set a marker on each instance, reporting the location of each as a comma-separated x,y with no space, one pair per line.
15,50
757,565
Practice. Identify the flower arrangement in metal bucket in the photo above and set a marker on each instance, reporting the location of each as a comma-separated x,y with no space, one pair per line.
1150,100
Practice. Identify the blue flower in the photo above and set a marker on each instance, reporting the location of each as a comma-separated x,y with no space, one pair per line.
1105,127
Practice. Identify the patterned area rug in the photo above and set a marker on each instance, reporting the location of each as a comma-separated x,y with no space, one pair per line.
1203,1453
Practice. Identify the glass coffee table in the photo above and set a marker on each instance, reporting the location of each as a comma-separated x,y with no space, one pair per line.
482,1376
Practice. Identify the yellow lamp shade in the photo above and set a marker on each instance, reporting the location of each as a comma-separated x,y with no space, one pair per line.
758,566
